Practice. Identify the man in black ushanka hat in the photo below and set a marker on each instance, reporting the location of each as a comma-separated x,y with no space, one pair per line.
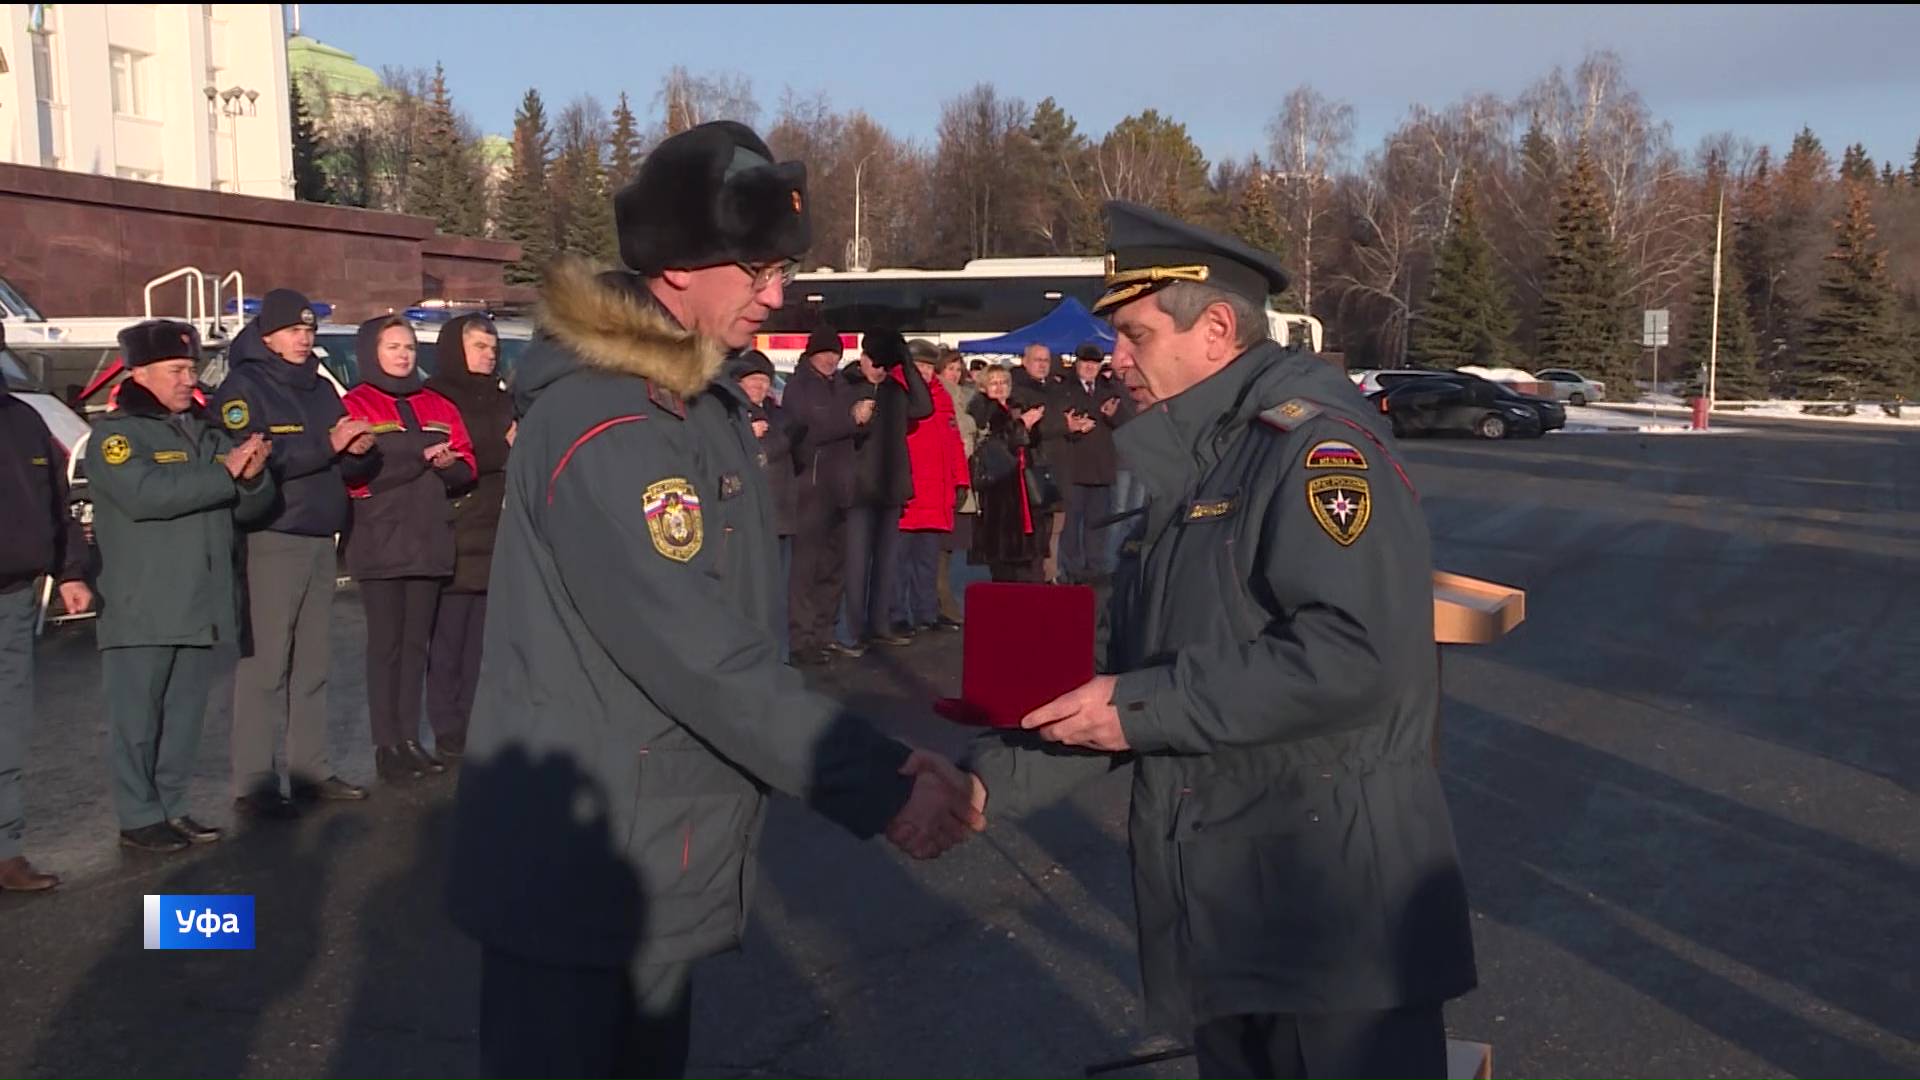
633,709
1269,677
168,488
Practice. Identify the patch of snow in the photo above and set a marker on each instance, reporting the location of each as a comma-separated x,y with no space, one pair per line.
1725,412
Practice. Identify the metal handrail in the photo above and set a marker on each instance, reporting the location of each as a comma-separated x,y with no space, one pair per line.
196,293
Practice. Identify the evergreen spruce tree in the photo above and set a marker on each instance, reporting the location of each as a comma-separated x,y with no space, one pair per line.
1467,318
1583,323
1853,348
440,184
309,182
524,215
623,146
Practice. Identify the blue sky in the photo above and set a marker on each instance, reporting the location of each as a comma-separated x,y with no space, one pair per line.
1761,72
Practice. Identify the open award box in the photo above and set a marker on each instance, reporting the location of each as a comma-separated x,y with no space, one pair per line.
1027,644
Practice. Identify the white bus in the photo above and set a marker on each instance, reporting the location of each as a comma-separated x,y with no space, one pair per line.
985,298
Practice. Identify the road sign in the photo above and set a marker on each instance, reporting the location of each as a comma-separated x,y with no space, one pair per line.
1653,328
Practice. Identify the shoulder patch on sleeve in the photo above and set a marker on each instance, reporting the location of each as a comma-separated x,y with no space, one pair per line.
1342,505
1290,414
116,450
234,414
1336,454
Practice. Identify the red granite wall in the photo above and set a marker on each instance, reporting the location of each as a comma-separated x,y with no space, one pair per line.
78,244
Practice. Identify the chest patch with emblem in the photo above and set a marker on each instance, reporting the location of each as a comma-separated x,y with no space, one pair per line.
673,518
1342,505
116,450
1336,454
234,414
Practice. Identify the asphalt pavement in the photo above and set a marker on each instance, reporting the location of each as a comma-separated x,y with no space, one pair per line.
1684,791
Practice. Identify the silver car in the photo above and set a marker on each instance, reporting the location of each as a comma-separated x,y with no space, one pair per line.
1571,386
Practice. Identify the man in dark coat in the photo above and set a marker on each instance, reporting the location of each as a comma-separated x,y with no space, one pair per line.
828,412
1092,408
754,372
167,490
465,359
1037,384
1270,683
274,389
882,485
634,712
41,538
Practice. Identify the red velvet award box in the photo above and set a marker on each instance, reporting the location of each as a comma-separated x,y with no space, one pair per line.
1024,646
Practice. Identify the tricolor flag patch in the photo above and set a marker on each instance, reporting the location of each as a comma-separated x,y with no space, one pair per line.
1335,454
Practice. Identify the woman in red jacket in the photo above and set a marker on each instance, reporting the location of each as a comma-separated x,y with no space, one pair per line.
400,544
939,463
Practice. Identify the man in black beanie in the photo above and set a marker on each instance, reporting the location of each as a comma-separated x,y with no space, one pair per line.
633,711
274,389
167,490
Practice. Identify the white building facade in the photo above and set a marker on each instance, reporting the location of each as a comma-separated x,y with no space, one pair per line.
193,95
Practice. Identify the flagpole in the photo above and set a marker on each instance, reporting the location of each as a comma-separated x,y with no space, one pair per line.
1713,340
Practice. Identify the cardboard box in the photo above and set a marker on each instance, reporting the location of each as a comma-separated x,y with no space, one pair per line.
1469,1060
1468,611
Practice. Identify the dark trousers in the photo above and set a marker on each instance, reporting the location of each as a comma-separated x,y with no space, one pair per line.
540,1020
1409,1042
399,634
281,678
919,589
156,697
1083,548
18,610
873,567
453,662
817,578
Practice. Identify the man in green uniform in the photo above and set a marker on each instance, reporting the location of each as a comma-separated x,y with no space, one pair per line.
167,487
1270,681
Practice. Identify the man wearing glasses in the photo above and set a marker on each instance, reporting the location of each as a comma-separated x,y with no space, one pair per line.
633,708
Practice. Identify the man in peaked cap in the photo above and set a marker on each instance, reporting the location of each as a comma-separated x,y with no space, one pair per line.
633,708
1268,676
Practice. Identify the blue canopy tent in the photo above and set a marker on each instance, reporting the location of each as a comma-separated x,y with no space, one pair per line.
1067,327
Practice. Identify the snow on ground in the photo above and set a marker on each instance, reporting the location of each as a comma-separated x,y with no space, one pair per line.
1731,412
1600,420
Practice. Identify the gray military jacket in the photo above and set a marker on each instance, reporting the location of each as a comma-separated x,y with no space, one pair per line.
633,710
1271,626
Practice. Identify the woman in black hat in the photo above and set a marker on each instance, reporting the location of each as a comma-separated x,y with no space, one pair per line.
400,544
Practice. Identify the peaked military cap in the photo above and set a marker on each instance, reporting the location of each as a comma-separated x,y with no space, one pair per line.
1148,250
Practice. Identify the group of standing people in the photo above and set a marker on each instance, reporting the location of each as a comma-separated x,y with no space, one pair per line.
893,464
229,523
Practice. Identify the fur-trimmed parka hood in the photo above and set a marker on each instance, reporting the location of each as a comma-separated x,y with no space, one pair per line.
609,322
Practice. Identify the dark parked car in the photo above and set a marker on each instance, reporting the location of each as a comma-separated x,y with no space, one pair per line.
1467,405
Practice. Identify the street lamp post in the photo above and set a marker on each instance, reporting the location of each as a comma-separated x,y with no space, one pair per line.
231,106
854,255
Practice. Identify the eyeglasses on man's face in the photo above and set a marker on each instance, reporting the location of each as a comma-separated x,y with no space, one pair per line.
766,274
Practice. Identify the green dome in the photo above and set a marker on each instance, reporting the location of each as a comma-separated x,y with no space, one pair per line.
336,72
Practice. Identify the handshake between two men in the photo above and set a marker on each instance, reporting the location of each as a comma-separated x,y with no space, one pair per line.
947,803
